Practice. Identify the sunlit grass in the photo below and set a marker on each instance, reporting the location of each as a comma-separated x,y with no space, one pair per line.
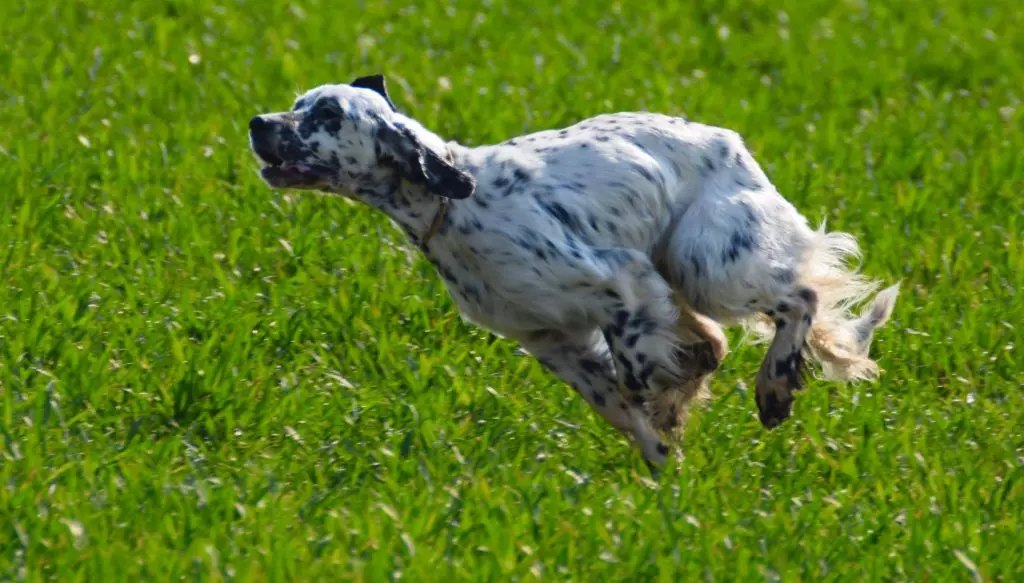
201,378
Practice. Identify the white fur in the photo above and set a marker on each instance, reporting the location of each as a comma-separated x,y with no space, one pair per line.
569,229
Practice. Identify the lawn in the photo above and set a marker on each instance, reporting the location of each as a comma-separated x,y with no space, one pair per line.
204,379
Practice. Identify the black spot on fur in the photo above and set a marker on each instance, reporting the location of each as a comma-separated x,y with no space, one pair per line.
448,275
633,382
772,411
662,448
646,372
599,399
698,265
807,294
621,317
643,172
784,277
782,308
704,356
472,293
616,257
780,324
790,368
640,319
796,380
749,216
559,212
591,366
739,242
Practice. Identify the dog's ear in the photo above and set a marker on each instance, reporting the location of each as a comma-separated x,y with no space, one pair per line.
376,84
420,164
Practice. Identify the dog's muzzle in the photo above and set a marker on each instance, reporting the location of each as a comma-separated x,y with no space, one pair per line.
282,168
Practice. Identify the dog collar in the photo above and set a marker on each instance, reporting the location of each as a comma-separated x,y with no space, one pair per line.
435,224
442,210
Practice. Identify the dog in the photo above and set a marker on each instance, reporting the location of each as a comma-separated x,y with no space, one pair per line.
614,250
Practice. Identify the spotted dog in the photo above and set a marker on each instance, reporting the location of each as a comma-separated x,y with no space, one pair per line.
613,250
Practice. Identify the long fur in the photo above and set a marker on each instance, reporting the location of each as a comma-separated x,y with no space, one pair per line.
839,341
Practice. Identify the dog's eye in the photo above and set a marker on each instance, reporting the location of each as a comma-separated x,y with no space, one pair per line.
328,108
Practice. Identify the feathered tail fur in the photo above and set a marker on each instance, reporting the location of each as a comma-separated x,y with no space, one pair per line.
839,340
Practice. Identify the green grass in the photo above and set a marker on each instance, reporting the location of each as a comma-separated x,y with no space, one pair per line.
203,379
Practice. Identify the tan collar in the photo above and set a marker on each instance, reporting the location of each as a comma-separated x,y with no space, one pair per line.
442,210
435,224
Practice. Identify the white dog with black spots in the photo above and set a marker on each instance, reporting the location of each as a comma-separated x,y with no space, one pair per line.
613,250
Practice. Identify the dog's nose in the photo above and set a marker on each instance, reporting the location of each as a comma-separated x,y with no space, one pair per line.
258,124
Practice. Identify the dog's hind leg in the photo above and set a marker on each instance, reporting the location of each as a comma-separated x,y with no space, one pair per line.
742,253
701,339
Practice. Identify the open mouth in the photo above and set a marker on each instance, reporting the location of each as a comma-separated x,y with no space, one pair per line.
278,172
281,174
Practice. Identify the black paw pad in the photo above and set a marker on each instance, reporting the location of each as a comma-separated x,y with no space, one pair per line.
772,410
704,355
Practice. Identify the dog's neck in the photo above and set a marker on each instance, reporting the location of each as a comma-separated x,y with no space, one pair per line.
418,212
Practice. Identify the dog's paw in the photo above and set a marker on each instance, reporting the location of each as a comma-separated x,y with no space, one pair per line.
774,401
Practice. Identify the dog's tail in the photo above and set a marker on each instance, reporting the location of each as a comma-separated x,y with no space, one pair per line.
840,340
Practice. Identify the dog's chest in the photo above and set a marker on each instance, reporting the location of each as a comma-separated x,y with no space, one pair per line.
482,299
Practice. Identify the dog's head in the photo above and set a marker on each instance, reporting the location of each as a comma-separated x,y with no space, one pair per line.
340,138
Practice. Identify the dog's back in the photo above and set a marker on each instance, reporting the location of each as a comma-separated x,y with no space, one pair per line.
619,178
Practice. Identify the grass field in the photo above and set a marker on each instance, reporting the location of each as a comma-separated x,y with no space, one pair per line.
202,379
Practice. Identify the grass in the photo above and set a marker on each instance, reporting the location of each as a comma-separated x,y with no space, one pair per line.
204,379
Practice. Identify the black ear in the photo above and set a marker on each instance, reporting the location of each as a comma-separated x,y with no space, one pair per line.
376,84
419,164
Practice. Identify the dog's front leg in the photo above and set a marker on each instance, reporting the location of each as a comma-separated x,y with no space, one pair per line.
585,363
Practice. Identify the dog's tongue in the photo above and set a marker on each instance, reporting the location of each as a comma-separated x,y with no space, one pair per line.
289,169
289,174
